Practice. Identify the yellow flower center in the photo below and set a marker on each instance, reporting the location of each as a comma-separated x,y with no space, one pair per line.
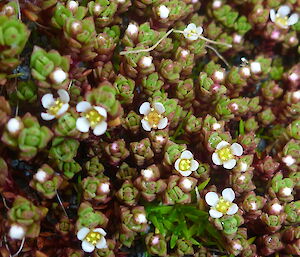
93,237
153,117
56,107
283,21
191,33
223,205
225,154
185,164
94,117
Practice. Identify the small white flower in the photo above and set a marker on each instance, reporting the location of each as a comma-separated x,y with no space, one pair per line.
41,176
153,116
163,12
281,18
140,218
91,117
16,232
255,67
221,205
224,154
55,107
186,164
132,29
288,160
191,32
58,76
14,125
91,239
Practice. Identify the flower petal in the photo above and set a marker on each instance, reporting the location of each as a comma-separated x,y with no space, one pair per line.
199,30
83,106
100,230
101,111
194,165
212,198
215,214
163,123
216,159
236,149
176,165
272,15
63,109
284,10
159,107
145,108
229,164
102,243
47,116
47,101
232,209
63,95
82,124
185,173
81,234
192,37
87,247
192,26
100,128
145,124
293,19
186,155
222,144
228,194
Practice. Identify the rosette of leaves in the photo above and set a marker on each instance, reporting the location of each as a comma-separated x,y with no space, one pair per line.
63,149
49,186
202,172
106,95
10,9
282,188
13,37
269,244
64,226
106,252
80,36
92,189
151,83
241,181
292,212
28,215
3,173
213,138
229,224
235,81
107,41
94,167
128,194
5,110
126,172
292,149
193,125
66,125
88,217
103,11
174,112
185,92
170,70
116,151
125,89
156,244
158,139
43,65
267,167
142,151
69,168
184,247
252,204
132,122
30,140
129,219
27,91
273,222
293,129
62,13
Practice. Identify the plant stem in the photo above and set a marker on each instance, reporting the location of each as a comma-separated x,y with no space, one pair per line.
218,54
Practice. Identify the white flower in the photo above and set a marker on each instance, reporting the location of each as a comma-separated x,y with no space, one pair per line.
55,107
281,17
186,164
58,76
14,125
191,32
224,154
41,176
16,232
91,117
221,205
153,118
91,239
163,12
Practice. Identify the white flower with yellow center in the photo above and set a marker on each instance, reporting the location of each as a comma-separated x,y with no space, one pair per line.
221,205
91,117
186,164
153,116
192,32
225,154
55,107
91,239
281,18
